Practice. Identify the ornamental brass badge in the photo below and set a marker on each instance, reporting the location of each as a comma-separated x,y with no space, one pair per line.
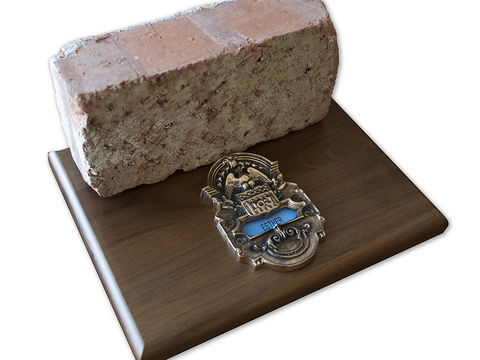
265,220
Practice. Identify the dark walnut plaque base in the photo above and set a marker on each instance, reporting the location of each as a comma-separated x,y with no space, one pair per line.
174,282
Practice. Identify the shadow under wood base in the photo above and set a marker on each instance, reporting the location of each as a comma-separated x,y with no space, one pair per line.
172,279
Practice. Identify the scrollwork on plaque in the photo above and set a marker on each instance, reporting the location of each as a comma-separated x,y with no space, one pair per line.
266,221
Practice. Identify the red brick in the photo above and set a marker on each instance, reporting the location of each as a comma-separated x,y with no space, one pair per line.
139,103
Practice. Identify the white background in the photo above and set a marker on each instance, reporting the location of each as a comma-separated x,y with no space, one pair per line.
409,76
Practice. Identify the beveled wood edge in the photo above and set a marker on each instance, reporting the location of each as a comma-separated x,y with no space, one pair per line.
124,315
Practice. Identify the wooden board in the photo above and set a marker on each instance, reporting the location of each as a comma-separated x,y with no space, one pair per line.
173,281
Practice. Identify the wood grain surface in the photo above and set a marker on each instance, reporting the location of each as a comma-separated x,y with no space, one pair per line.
173,281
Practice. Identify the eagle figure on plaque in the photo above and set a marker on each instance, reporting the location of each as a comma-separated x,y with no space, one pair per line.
266,221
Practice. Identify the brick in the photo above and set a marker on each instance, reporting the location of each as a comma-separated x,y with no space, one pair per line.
140,103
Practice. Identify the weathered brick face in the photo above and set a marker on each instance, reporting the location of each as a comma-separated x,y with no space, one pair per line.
140,103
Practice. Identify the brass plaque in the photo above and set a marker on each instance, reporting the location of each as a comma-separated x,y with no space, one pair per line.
265,220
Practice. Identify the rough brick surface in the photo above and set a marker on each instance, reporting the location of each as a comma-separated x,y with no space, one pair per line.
140,103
